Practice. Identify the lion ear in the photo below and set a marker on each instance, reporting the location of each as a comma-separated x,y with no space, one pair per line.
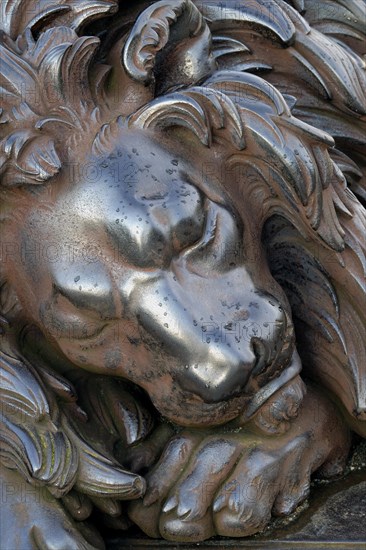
163,45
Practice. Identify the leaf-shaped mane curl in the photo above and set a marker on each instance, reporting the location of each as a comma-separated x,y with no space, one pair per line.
201,110
43,83
30,438
18,15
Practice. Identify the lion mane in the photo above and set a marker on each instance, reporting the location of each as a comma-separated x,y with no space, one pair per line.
70,75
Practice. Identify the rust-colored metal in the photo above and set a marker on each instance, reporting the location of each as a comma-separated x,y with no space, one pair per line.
182,303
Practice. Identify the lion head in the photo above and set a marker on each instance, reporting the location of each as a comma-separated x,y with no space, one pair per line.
168,220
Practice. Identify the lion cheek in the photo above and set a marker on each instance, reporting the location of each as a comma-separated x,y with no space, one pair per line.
110,352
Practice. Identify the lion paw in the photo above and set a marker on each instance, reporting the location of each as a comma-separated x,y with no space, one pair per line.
231,484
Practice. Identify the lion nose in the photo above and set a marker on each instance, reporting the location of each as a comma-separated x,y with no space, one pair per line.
239,355
221,376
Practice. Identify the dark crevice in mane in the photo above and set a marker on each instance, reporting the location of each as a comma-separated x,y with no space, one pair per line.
327,315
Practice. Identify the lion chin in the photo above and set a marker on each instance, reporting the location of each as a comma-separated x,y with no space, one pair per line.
191,409
181,279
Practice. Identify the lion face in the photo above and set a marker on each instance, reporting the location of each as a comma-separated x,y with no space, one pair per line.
153,291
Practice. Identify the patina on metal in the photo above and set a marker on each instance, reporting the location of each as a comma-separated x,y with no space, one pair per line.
182,303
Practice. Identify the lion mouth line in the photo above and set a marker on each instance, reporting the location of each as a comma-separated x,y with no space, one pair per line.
290,369
271,361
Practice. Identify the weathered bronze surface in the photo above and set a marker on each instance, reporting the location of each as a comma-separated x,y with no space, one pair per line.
182,274
332,518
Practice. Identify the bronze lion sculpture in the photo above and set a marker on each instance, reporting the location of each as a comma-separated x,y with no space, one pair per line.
182,277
